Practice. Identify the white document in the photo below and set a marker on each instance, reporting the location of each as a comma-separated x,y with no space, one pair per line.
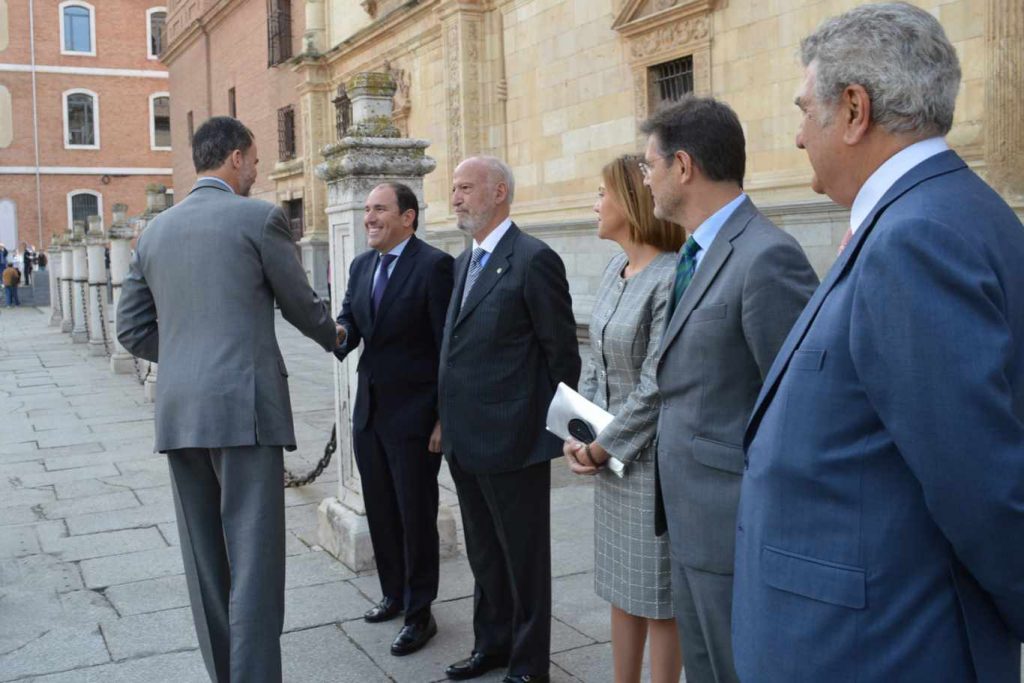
568,405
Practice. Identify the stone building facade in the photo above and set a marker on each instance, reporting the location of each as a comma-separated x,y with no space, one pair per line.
556,87
84,112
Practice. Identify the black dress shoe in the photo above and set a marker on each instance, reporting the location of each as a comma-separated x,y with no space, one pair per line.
526,678
476,665
413,636
386,609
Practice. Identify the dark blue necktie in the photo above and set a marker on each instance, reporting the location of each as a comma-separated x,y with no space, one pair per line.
380,283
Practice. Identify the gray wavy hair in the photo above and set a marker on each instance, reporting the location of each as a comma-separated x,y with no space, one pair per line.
499,172
900,55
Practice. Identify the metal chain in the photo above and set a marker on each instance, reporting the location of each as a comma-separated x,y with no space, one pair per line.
291,481
103,320
85,306
138,370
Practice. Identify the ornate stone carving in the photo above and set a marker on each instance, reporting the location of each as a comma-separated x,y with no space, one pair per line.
402,101
1004,98
463,54
371,7
670,37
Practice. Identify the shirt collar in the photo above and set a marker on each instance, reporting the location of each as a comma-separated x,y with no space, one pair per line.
491,241
886,175
219,181
400,247
707,231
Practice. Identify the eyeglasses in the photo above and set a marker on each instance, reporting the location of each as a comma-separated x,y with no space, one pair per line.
645,168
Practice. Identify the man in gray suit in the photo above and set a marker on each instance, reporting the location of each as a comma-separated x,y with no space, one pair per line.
740,285
199,298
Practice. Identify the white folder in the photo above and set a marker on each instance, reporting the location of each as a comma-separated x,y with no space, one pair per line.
567,405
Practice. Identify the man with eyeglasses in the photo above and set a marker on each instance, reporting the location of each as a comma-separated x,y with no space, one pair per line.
740,285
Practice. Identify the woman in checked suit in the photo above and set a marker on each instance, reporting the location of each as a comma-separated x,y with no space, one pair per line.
631,566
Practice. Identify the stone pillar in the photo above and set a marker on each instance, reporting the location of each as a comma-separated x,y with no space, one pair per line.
79,280
462,31
67,322
95,247
121,235
53,263
1004,98
371,155
318,128
314,38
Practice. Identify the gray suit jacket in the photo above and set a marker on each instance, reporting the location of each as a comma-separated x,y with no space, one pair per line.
723,336
199,299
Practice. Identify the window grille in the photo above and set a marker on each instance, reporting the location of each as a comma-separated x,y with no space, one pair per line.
191,127
232,107
81,119
279,31
84,205
670,81
286,133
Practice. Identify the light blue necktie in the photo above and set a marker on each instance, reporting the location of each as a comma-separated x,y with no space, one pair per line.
474,271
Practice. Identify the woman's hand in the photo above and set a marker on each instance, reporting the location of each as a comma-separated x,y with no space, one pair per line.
578,459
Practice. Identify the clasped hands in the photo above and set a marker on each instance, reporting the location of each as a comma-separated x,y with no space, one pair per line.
583,458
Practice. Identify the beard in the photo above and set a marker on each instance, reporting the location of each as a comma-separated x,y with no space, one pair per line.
471,223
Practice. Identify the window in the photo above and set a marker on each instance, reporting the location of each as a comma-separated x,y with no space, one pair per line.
160,121
81,120
293,210
82,204
670,81
156,22
191,127
77,28
286,133
279,31
232,108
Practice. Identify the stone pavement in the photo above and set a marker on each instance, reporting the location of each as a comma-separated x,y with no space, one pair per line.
91,583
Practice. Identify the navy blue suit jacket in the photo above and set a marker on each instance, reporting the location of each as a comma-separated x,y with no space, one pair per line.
402,343
881,524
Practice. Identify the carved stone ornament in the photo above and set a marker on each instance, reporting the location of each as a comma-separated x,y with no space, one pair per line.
371,7
670,37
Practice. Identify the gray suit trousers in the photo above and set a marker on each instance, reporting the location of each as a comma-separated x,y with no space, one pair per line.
705,632
230,509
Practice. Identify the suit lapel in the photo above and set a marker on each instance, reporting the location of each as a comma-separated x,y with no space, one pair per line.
497,266
406,262
362,292
710,265
940,164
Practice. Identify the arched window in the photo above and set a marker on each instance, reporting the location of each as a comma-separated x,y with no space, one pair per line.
77,28
156,21
81,119
82,204
160,121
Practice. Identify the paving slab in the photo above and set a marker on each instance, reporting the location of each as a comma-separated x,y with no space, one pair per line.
25,497
326,655
150,595
327,603
142,635
79,506
144,515
63,476
39,573
315,567
59,649
182,667
109,543
118,569
18,541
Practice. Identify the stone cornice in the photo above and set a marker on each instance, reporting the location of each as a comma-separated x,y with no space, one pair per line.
212,14
629,24
376,33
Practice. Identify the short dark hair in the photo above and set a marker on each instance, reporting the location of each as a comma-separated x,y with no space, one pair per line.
216,139
706,129
406,200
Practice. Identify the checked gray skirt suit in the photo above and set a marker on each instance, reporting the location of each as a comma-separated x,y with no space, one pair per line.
631,565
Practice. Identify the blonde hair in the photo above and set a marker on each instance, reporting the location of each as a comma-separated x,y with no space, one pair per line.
624,179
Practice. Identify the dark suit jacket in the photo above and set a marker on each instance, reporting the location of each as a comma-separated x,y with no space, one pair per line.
402,343
881,518
209,320
504,352
723,336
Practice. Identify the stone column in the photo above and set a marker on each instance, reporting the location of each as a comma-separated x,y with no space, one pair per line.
67,322
317,127
371,155
121,235
79,280
95,246
156,201
1004,98
53,262
462,30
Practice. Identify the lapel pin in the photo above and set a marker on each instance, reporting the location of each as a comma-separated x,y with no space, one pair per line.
499,271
